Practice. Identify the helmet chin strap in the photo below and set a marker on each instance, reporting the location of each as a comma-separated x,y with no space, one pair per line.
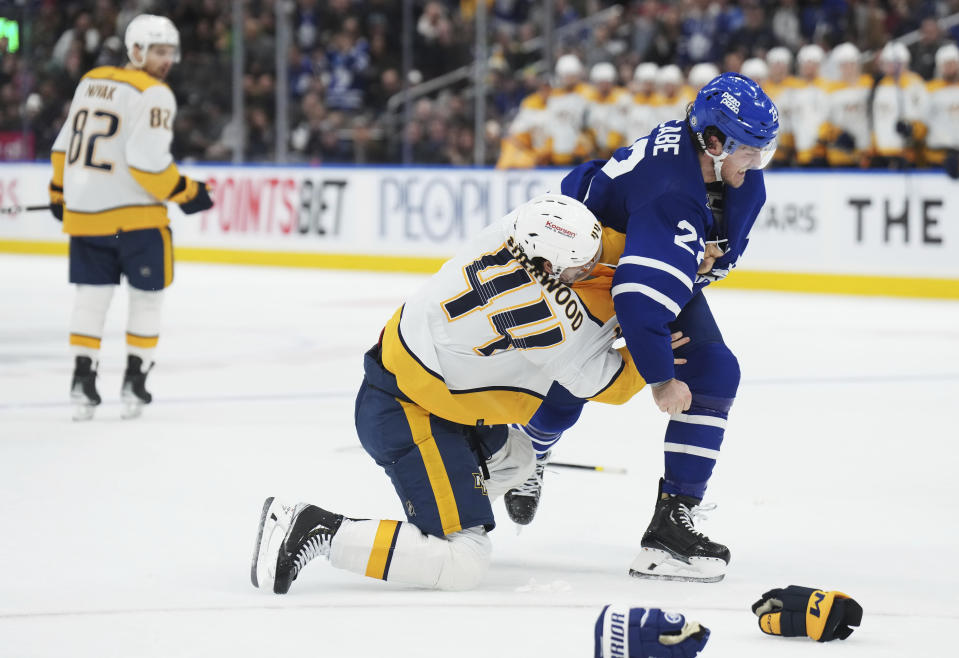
718,164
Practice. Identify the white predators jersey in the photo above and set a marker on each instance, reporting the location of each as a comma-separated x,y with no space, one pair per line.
641,117
808,104
566,121
942,115
848,109
606,119
114,150
892,102
485,339
531,120
672,108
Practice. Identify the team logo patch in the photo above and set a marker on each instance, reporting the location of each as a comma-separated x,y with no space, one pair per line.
410,511
145,271
672,617
479,483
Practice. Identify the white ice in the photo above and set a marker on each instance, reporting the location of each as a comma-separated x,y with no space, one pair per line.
134,538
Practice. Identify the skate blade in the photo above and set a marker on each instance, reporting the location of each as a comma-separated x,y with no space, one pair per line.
269,542
656,564
131,410
83,412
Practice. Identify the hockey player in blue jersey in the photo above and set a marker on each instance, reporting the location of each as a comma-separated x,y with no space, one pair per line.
682,201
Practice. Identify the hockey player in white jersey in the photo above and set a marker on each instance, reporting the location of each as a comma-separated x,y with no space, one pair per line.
845,131
898,110
807,107
112,177
942,114
475,350
606,113
641,115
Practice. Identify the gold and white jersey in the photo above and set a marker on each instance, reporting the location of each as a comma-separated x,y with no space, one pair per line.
897,100
808,109
848,109
942,115
487,335
606,120
670,108
112,156
641,117
566,122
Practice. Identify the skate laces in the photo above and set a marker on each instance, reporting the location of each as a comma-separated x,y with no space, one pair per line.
689,515
318,544
534,483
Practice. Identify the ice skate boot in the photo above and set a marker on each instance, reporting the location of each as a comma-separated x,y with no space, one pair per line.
672,548
83,390
288,538
134,394
521,502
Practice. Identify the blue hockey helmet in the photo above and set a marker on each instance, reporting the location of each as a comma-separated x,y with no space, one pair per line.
741,111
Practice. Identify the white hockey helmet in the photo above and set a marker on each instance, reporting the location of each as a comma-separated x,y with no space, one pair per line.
755,69
702,74
779,55
810,53
561,230
845,53
645,72
669,75
146,30
947,53
568,65
602,72
894,53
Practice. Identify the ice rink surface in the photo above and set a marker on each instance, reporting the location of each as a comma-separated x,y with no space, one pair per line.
134,538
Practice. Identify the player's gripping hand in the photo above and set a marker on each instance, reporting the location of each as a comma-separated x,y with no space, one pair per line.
845,142
672,396
202,201
192,196
647,633
796,611
56,201
951,163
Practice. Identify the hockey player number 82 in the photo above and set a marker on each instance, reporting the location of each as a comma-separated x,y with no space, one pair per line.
76,138
538,317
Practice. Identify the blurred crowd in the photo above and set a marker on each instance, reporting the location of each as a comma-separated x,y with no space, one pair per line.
847,95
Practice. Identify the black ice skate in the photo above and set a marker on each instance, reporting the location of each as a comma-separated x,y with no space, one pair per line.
521,502
672,548
134,393
289,537
83,390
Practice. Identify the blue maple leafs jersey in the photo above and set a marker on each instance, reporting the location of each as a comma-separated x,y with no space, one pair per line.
654,193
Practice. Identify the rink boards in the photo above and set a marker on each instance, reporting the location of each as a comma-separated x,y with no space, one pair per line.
872,233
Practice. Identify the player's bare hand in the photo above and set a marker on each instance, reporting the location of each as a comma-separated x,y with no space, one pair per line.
709,259
678,340
672,396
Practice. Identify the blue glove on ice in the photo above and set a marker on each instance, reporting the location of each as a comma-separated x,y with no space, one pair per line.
647,633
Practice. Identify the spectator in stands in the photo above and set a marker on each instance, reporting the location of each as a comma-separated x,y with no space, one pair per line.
923,52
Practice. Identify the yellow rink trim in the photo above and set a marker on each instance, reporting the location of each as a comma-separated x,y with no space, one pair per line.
839,284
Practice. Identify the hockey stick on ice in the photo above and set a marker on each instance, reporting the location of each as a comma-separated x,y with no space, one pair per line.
616,470
13,210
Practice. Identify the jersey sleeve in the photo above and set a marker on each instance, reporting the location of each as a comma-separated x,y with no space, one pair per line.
148,146
655,278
